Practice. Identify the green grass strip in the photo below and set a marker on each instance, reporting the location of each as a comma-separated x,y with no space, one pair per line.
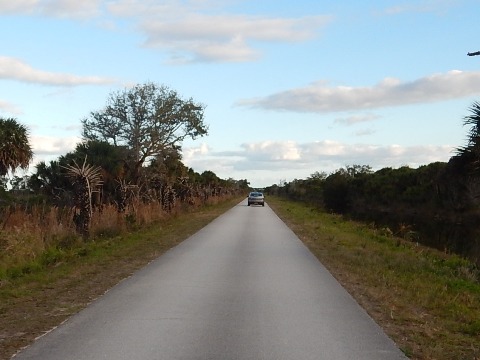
427,301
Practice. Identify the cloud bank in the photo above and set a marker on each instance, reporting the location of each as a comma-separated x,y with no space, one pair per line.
290,159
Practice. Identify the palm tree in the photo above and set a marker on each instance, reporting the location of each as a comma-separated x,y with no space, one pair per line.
86,180
470,153
15,149
473,120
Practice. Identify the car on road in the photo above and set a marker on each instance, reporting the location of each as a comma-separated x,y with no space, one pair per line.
256,198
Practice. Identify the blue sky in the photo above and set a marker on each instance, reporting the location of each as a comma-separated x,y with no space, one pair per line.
290,87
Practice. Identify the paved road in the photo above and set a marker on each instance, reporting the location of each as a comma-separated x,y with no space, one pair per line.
244,287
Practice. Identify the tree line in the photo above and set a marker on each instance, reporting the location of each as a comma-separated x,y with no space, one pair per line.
130,154
436,204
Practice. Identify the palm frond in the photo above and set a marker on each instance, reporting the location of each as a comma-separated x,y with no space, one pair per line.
92,174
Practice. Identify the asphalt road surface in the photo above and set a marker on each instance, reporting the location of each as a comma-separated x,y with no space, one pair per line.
244,287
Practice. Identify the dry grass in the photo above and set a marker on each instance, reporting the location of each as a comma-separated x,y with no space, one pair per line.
26,235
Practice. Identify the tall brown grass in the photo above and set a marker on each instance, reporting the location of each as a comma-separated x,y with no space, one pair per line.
25,234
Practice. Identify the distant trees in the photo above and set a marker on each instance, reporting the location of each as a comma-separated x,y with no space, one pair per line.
130,159
357,190
15,149
134,145
147,120
49,180
437,189
440,200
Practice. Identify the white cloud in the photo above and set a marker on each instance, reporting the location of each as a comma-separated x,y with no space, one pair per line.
15,69
201,31
200,27
280,151
52,8
375,155
48,148
353,120
276,160
71,8
7,107
356,119
425,6
49,145
136,8
390,92
234,51
18,6
365,132
199,37
191,153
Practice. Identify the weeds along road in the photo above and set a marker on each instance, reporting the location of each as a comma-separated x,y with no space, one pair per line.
244,287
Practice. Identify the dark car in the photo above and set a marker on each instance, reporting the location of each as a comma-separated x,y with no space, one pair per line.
256,198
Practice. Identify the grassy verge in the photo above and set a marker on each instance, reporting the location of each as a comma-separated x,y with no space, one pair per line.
39,295
428,302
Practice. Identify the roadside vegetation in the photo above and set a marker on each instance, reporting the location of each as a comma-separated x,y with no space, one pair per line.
437,205
426,300
44,291
126,173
